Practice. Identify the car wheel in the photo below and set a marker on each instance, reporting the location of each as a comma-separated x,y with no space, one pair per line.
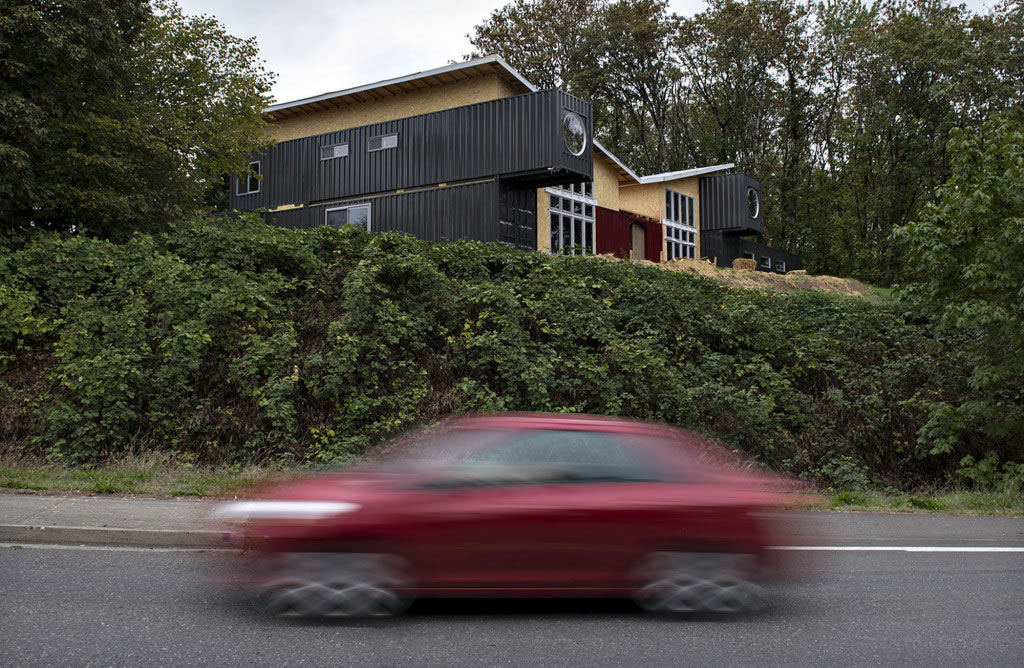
325,584
697,581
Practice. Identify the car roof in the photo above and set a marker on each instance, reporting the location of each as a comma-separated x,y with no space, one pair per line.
558,421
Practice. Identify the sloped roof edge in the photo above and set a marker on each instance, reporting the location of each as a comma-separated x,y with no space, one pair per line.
454,67
683,174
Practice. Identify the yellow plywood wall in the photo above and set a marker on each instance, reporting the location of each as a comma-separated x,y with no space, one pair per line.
606,183
649,200
543,221
456,94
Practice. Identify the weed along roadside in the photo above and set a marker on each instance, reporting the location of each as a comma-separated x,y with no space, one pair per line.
223,349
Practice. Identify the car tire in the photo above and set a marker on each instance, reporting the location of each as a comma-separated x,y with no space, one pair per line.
325,585
675,582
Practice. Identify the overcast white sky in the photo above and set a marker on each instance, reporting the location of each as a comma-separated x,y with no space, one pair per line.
317,46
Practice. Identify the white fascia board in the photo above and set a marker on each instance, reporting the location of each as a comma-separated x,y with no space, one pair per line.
486,60
683,174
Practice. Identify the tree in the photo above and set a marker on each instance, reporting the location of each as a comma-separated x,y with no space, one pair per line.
180,106
56,58
967,271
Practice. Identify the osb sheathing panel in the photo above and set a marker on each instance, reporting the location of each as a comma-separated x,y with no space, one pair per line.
606,183
389,108
543,221
649,200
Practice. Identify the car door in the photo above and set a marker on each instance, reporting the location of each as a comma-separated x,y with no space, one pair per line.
494,519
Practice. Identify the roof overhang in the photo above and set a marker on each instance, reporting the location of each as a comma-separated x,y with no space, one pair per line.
682,174
389,88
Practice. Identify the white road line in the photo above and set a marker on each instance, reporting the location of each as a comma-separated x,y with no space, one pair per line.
893,548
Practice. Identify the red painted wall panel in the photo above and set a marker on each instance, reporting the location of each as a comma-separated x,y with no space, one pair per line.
613,233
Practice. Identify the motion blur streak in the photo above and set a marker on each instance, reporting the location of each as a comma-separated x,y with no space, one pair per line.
518,506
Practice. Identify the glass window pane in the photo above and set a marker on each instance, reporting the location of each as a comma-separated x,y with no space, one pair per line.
566,232
555,243
589,211
359,215
577,208
555,201
589,227
668,204
337,218
590,188
577,239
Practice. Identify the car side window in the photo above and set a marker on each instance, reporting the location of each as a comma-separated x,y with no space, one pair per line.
555,456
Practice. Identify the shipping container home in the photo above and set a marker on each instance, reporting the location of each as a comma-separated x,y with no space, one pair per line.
733,211
473,150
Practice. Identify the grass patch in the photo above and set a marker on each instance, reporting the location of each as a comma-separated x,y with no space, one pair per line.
161,475
958,502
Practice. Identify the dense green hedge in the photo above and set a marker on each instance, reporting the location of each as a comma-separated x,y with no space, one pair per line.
228,341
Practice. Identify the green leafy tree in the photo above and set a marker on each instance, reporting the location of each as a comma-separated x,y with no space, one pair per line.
967,260
179,105
56,58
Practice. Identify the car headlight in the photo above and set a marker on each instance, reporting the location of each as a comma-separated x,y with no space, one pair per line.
244,511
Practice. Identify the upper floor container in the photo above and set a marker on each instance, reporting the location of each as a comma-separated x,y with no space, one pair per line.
535,139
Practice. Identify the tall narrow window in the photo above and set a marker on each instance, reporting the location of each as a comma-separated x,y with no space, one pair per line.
572,219
355,214
680,226
251,183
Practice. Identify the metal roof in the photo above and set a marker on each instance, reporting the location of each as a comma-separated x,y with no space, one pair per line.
682,174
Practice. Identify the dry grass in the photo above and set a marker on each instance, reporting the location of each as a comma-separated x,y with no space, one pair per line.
758,280
149,475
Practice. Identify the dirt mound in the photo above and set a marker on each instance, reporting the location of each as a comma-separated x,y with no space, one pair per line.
757,280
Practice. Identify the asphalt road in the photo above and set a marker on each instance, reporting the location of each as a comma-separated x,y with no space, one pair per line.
139,608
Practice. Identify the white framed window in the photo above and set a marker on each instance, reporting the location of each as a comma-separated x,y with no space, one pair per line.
571,208
382,142
353,214
251,183
680,226
747,255
780,266
766,262
334,151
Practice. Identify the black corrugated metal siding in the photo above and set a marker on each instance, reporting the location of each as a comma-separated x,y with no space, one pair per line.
723,204
724,248
517,136
437,214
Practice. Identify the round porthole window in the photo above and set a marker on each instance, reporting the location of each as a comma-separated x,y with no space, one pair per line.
574,132
753,203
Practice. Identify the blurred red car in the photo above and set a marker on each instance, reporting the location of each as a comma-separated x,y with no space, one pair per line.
515,505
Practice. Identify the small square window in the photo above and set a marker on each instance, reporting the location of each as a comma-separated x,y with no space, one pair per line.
334,151
766,262
780,266
748,256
